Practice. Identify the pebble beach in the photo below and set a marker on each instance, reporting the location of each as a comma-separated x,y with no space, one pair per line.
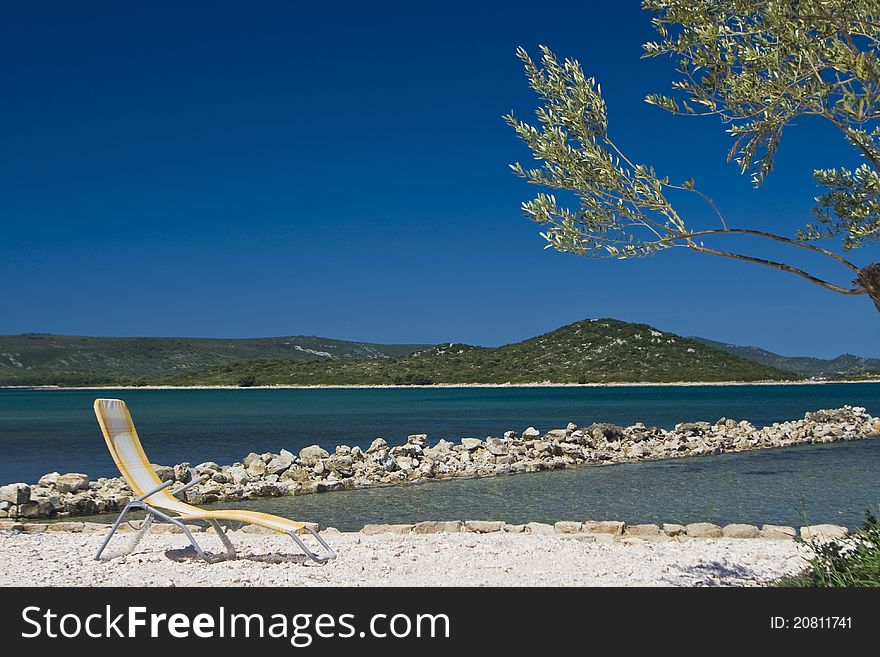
65,558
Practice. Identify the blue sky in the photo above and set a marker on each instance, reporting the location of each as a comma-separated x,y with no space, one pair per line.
254,169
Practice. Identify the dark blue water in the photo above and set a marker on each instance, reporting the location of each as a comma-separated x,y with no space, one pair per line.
45,430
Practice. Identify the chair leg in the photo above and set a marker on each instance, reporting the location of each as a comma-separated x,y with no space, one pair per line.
230,548
311,555
186,531
112,531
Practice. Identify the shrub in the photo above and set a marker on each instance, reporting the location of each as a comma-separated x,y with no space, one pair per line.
852,562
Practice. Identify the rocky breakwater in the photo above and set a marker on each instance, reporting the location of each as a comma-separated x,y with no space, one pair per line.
315,470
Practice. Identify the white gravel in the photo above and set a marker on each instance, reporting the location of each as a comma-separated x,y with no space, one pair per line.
65,559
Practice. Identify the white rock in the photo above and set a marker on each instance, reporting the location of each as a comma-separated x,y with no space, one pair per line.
823,532
72,482
377,445
48,479
310,455
471,444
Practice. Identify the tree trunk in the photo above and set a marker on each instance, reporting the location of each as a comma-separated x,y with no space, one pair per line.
869,279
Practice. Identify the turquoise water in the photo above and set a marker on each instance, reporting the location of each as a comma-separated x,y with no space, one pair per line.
45,430
791,486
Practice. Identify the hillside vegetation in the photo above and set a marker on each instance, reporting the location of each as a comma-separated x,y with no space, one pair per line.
42,359
589,351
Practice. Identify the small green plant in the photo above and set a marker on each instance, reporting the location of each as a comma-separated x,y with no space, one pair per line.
852,562
413,379
247,381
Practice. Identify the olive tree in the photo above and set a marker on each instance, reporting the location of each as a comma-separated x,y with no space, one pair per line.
758,65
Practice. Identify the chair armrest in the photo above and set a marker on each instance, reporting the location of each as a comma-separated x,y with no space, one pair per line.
154,491
188,486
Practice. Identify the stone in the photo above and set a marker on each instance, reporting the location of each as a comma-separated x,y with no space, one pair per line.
164,472
237,474
470,444
671,529
296,473
643,531
256,468
539,528
410,449
510,435
420,439
280,463
437,527
613,527
183,472
48,480
568,527
251,458
309,456
483,526
385,462
27,510
823,532
704,530
15,493
782,532
531,433
72,482
513,529
326,486
736,530
603,431
377,445
371,530
340,464
496,447
65,527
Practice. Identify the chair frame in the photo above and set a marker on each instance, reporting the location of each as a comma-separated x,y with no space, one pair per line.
140,503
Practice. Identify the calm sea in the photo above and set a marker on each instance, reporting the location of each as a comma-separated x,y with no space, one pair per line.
45,430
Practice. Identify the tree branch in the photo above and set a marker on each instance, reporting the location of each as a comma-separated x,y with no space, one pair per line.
778,238
781,267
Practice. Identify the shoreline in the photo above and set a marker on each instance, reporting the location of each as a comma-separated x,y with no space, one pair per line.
451,553
443,386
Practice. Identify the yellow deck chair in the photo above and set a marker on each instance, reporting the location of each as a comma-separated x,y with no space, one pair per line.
151,494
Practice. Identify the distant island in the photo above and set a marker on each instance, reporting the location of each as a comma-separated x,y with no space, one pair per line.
588,351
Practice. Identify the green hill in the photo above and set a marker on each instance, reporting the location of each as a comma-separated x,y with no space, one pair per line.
604,350
43,359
